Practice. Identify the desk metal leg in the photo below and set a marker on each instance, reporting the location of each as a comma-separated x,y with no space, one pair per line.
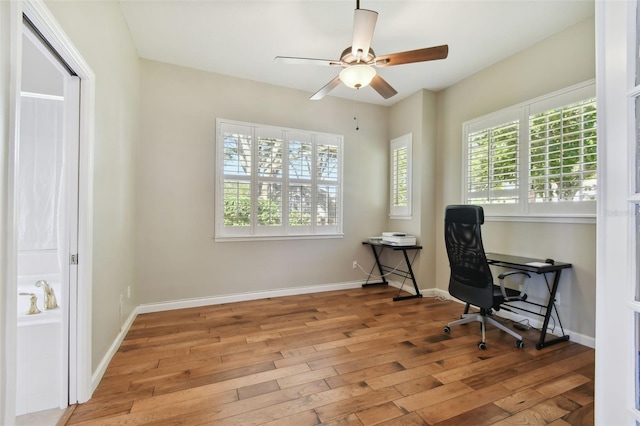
413,280
550,307
379,265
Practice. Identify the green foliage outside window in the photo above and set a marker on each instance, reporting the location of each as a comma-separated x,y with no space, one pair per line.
563,154
493,164
237,212
562,161
400,160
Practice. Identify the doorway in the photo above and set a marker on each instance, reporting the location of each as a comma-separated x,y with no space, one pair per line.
47,222
77,359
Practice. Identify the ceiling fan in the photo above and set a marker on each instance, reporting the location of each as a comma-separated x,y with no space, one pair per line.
358,60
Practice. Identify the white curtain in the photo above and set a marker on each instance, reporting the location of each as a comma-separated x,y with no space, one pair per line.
40,171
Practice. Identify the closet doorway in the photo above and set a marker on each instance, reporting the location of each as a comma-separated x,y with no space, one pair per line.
76,304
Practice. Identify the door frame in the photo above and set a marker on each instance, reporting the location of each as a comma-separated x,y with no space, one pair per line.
617,272
80,370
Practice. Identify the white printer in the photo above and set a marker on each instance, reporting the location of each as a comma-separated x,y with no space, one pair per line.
398,239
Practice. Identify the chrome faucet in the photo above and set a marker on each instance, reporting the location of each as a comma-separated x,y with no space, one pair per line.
33,309
49,297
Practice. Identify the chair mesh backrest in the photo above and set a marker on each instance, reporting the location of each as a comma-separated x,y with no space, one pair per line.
471,280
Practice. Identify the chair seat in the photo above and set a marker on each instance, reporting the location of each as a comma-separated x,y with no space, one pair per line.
498,298
510,292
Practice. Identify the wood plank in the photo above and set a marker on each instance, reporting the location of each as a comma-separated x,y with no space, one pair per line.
582,395
463,403
520,400
417,385
356,404
549,372
379,413
290,408
433,396
482,416
306,377
403,376
472,368
217,387
409,419
562,384
363,374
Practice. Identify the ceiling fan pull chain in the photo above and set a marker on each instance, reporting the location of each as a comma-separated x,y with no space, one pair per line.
355,111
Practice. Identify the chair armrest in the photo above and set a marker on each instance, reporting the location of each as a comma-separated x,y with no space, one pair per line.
506,274
523,293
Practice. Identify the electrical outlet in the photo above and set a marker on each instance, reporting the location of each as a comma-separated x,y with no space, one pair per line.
355,264
128,292
121,310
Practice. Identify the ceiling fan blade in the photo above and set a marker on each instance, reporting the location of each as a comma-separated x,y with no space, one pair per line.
307,61
326,89
381,86
364,22
411,56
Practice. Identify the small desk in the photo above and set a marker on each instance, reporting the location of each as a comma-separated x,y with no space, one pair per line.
377,249
524,264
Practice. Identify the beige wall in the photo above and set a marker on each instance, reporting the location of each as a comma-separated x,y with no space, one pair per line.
417,115
98,31
177,256
557,62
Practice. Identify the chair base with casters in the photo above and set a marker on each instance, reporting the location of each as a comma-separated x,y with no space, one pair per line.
484,319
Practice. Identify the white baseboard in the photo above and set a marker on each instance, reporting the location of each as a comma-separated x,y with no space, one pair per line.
534,322
102,367
243,297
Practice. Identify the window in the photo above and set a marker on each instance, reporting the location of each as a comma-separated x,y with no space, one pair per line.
277,182
536,159
493,164
401,177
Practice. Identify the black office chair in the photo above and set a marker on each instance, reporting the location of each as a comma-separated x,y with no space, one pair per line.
471,280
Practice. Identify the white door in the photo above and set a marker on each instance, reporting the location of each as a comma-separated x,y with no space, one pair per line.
617,393
47,224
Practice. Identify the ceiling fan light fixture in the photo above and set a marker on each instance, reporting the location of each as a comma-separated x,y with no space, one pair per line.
357,76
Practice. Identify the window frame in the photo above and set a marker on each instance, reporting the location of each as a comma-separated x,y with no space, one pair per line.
284,231
401,211
522,209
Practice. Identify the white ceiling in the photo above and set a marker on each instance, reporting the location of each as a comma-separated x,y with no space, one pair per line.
241,38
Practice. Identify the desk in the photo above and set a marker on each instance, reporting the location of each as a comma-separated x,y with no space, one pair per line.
525,264
377,249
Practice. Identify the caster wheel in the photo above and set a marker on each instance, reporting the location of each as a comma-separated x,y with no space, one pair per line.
482,346
519,344
447,329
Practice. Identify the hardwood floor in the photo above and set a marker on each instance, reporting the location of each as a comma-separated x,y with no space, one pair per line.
350,357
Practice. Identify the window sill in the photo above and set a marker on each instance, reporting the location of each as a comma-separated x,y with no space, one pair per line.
400,217
276,238
577,219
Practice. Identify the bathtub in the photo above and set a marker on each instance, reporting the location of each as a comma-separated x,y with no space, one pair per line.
40,366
